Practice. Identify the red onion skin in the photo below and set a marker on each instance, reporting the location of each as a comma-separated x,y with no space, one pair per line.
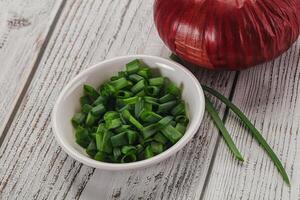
227,34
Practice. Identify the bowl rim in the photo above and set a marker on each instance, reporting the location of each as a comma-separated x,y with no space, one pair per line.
138,164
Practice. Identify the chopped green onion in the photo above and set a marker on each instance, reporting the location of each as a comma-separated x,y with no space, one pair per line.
138,86
100,156
171,133
120,83
156,147
100,100
158,81
82,137
180,127
132,136
139,107
178,110
91,150
131,100
182,119
78,119
133,66
85,100
150,130
128,150
128,158
126,114
148,152
166,107
145,72
160,138
122,94
98,110
113,123
152,90
90,120
90,91
173,89
164,122
119,140
167,98
150,117
135,78
86,108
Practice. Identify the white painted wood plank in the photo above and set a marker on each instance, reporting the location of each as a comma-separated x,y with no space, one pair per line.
24,25
270,96
34,166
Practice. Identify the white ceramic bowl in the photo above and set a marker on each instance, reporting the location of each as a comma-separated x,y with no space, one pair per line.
68,104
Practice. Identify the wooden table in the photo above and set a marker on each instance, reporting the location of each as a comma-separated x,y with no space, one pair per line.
45,43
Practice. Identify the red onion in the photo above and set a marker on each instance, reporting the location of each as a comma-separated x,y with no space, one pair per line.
227,34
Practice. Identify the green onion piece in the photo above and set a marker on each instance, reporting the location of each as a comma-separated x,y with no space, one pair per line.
122,94
100,156
160,138
113,123
166,107
148,106
131,100
127,150
78,119
90,120
133,66
86,108
122,128
214,115
98,110
128,158
148,152
151,100
145,72
90,91
178,110
152,90
181,128
107,90
158,81
103,140
148,131
122,74
138,86
116,153
156,147
150,117
173,89
257,135
138,107
164,122
91,150
120,83
171,133
139,148
111,115
182,119
166,98
126,114
82,137
85,100
140,93
132,136
100,100
135,78
119,140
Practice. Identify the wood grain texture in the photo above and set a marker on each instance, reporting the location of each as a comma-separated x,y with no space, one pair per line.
24,26
270,96
35,167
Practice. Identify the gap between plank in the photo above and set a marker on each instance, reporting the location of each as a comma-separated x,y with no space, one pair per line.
32,73
218,139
